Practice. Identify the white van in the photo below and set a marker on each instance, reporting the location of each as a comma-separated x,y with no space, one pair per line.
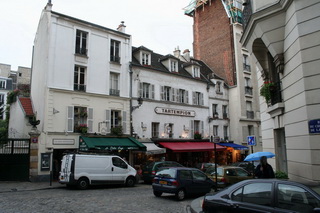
84,170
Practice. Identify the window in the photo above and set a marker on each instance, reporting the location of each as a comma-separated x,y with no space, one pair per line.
146,59
166,93
225,133
169,129
185,175
250,130
248,87
250,113
197,175
196,72
80,119
215,130
246,63
214,111
197,126
115,51
146,90
114,84
218,87
155,130
173,66
79,78
119,163
81,42
182,96
115,118
225,111
198,98
1,99
3,84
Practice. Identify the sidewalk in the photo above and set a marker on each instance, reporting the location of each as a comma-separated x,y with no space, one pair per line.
13,186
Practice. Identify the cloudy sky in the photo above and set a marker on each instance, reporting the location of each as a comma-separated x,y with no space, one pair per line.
159,25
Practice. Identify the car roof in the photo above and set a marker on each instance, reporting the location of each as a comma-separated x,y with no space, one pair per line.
180,168
230,167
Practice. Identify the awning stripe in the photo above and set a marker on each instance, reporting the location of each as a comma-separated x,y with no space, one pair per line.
191,146
235,146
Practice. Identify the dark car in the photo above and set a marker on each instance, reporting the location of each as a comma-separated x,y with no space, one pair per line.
249,166
228,175
150,169
181,181
263,195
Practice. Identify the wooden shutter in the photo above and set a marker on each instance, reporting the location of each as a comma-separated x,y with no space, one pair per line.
140,90
90,120
152,91
124,122
178,95
70,124
193,97
173,94
162,93
202,128
191,129
187,97
108,120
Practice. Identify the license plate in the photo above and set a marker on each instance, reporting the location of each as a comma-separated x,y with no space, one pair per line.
163,182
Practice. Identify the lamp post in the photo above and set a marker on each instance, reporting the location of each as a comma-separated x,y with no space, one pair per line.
215,164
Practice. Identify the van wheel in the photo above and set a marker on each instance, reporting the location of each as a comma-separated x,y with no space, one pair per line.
180,195
130,181
83,183
157,194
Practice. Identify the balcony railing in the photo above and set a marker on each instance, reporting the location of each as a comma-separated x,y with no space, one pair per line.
81,50
115,58
276,96
79,87
250,114
248,90
225,115
114,92
247,12
247,67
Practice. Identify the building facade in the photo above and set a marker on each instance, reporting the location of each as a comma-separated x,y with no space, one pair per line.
217,31
283,39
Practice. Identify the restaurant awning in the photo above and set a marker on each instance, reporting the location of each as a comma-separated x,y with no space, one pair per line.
152,149
109,143
235,146
191,146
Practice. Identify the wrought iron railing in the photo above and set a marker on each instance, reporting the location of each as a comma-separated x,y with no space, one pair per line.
247,12
81,50
250,114
247,67
115,58
79,87
248,90
114,92
276,95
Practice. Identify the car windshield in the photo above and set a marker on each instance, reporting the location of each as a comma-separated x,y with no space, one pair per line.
168,173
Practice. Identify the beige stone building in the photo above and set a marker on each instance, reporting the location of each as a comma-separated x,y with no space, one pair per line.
283,38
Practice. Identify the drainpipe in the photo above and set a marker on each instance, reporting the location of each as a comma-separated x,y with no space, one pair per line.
130,95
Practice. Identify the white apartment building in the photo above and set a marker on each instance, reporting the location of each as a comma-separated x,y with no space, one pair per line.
283,39
80,83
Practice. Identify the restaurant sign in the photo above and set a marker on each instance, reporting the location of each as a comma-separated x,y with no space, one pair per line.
179,112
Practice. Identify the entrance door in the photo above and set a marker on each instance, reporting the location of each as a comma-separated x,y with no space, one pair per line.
281,150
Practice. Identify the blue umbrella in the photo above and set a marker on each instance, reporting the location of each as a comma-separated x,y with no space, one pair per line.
257,155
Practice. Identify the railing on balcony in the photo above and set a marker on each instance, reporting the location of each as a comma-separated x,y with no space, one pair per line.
276,96
250,114
79,87
115,58
225,115
247,67
114,92
81,50
247,12
248,90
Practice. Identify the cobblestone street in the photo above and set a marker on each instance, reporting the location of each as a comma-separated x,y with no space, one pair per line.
97,199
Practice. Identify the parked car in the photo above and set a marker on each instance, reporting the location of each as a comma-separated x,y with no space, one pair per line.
204,166
85,170
263,195
228,175
249,166
181,181
150,170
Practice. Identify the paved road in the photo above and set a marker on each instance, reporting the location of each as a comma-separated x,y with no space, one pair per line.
111,199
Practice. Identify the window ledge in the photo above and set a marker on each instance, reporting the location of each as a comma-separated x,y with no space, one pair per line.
247,72
220,93
115,63
276,109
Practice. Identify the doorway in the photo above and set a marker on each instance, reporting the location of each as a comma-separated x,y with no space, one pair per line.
280,150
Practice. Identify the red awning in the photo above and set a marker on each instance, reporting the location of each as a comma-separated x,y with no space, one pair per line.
191,146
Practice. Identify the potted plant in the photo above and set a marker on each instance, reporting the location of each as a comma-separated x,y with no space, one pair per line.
82,128
197,135
116,130
266,90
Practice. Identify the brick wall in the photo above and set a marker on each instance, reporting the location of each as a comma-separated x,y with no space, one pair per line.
213,42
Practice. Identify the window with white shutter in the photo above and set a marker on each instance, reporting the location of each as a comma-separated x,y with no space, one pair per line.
70,119
90,120
108,120
124,122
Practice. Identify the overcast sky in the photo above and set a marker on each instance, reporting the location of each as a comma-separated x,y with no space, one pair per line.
159,25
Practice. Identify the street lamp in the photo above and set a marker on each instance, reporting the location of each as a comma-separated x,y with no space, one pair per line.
140,101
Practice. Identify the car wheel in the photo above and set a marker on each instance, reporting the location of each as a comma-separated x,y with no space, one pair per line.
181,194
157,194
130,182
83,183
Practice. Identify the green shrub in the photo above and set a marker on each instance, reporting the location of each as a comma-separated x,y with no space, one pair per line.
281,175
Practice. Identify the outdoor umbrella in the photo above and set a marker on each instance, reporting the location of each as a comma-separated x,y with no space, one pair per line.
257,155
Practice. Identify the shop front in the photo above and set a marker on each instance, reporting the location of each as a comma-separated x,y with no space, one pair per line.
233,152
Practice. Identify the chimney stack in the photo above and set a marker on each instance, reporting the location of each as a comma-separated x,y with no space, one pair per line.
122,27
48,7
186,54
176,52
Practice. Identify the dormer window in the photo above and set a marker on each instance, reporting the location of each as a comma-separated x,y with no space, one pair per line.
145,58
218,87
173,66
196,72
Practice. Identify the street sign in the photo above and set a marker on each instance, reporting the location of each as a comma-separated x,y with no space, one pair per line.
251,140
314,126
